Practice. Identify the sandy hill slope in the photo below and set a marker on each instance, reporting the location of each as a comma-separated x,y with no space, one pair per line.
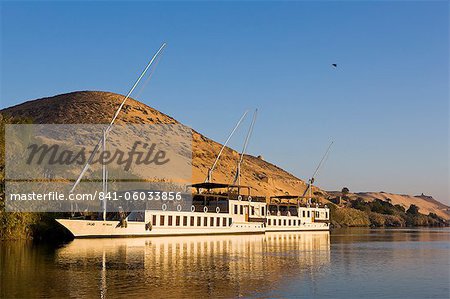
426,204
94,107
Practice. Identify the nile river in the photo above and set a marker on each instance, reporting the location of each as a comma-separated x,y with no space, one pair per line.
353,263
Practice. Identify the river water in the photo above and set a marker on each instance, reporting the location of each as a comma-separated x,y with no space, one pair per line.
353,263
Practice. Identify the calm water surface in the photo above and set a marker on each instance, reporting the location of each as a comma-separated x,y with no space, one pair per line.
354,263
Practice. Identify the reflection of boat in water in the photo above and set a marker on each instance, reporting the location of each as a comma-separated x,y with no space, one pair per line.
303,241
194,266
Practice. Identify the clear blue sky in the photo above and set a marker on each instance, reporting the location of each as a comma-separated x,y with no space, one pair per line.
386,105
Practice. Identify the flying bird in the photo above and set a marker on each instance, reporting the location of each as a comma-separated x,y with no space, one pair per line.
334,65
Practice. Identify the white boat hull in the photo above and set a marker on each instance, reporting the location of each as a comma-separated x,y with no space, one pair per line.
108,229
242,218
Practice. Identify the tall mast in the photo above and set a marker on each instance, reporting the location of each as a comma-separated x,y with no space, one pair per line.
104,176
96,148
311,180
237,178
210,171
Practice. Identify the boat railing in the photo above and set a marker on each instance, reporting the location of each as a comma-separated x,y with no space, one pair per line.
224,196
247,198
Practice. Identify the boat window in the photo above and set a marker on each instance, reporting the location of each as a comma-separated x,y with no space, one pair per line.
205,221
192,221
289,222
235,209
184,220
218,221
154,220
283,210
253,210
229,221
279,222
326,215
211,221
284,222
199,221
269,222
170,221
263,211
304,213
161,220
241,210
309,214
178,220
293,210
294,222
224,222
273,210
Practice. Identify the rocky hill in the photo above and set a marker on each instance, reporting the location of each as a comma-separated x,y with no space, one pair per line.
94,107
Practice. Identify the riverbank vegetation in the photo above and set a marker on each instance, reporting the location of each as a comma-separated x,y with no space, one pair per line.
23,225
12,225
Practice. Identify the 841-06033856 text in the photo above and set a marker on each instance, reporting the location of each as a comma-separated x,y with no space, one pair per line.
113,196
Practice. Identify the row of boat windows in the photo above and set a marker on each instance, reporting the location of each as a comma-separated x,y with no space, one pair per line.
292,211
240,209
198,221
283,222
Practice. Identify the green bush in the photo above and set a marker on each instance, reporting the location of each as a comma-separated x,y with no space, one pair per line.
413,210
360,204
400,208
349,217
